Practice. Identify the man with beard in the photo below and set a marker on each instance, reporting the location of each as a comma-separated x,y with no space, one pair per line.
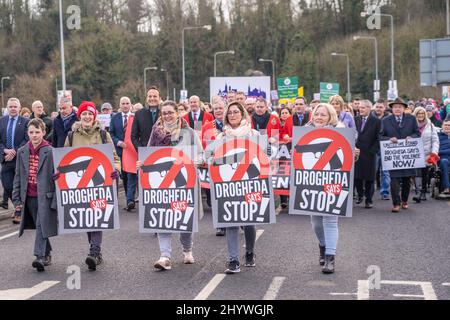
263,120
250,105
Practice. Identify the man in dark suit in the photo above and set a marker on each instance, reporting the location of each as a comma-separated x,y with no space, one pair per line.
299,118
13,135
397,126
145,118
368,127
197,118
63,122
117,128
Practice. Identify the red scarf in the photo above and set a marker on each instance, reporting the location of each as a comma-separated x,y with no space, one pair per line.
33,168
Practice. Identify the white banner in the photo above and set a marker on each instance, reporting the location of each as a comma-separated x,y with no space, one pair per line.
251,86
402,155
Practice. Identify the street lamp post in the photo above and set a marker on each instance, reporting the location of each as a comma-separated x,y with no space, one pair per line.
448,17
3,99
377,79
365,14
215,59
145,76
349,95
61,30
167,81
207,27
273,71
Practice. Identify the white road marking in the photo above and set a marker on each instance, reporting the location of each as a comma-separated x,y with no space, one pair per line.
217,279
259,234
427,289
274,288
9,235
26,293
446,284
210,287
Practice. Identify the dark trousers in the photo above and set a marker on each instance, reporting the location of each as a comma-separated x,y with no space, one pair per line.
365,188
95,241
284,199
42,246
405,185
124,176
8,173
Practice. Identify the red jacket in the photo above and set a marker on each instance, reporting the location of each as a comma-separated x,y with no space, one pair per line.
209,132
204,118
273,128
289,124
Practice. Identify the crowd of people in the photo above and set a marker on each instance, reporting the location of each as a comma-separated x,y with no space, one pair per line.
27,138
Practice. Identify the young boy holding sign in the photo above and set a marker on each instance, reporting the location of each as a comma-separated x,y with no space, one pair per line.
37,202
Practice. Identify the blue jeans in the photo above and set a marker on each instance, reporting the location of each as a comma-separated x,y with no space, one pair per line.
165,243
327,232
444,165
131,186
385,178
233,241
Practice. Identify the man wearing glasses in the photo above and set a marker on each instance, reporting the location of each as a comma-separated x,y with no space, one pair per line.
299,118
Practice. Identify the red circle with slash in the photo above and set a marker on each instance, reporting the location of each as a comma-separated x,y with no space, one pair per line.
98,159
249,146
338,141
181,160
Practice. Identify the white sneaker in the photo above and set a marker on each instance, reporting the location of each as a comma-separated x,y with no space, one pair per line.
188,258
163,264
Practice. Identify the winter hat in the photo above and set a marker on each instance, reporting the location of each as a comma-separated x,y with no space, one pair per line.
87,106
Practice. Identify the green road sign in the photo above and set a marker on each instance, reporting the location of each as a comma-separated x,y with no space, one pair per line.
328,90
287,88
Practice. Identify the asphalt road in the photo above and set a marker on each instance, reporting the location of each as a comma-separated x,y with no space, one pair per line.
409,251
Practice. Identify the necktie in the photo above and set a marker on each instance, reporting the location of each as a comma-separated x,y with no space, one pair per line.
300,118
219,126
399,121
9,135
153,116
363,123
125,122
195,121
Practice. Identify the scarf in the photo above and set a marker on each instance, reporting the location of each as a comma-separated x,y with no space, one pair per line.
243,130
422,126
66,120
260,122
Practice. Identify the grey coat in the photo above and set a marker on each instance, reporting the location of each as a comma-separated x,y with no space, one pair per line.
47,205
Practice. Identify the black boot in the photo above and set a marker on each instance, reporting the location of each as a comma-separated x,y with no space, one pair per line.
94,259
322,255
416,198
328,268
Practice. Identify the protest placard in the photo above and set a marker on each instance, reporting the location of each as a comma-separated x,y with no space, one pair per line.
406,154
322,172
168,191
86,193
241,186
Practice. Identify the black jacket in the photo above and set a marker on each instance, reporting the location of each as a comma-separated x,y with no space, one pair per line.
142,127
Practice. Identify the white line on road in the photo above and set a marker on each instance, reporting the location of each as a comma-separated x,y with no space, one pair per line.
274,288
26,293
9,235
210,287
446,284
217,279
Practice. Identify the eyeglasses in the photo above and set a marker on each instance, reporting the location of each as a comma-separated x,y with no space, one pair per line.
231,113
169,113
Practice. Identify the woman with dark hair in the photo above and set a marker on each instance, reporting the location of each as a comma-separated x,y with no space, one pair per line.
237,125
172,130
